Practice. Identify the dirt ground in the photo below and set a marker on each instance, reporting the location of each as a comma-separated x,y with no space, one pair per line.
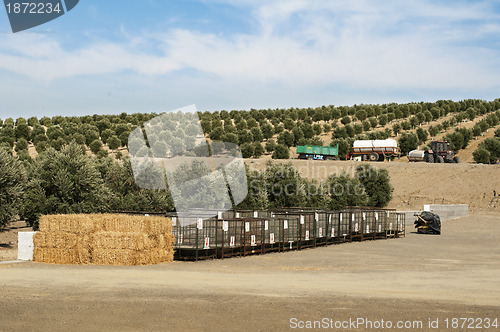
8,240
413,279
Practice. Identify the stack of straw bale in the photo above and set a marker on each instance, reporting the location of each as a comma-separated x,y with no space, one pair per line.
104,239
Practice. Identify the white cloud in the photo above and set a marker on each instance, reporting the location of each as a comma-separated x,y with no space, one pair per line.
40,57
298,45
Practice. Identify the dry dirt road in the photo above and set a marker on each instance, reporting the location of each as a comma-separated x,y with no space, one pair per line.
412,279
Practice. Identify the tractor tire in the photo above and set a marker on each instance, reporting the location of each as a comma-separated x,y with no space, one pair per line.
373,156
440,160
456,159
429,158
381,157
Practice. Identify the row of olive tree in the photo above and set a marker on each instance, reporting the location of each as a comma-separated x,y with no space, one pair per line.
70,181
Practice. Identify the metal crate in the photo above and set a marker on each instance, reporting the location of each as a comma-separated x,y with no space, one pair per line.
253,236
232,237
344,230
273,234
321,228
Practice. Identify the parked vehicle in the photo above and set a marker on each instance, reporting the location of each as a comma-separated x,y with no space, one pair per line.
439,152
313,152
374,150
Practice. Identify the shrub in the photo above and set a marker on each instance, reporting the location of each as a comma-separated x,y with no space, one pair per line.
95,146
481,156
377,184
286,138
12,180
21,145
247,150
281,152
114,142
422,135
493,146
345,120
258,149
285,187
106,134
65,181
408,142
373,122
345,191
217,134
270,145
267,131
257,195
361,115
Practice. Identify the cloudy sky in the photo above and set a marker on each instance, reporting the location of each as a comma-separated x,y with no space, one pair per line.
108,56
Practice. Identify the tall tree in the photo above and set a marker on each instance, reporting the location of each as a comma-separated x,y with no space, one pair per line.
12,186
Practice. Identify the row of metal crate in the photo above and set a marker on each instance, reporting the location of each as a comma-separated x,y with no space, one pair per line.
237,232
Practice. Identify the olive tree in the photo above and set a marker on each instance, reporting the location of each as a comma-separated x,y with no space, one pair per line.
12,183
65,181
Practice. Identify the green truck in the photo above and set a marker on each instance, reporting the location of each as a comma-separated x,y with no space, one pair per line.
318,152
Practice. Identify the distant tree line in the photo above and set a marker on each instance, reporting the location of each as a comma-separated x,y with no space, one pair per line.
272,131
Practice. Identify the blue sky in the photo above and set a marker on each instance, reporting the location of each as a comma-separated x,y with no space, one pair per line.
110,56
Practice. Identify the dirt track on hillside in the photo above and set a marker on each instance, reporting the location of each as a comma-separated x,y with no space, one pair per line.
416,184
413,278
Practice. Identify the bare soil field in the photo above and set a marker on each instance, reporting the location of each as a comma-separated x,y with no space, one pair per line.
413,279
416,184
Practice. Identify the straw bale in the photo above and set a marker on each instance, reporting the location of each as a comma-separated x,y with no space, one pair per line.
155,256
115,240
159,225
61,240
61,256
123,223
104,239
114,257
71,223
164,241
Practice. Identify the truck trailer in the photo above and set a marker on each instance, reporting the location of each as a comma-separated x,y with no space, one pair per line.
313,152
374,150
